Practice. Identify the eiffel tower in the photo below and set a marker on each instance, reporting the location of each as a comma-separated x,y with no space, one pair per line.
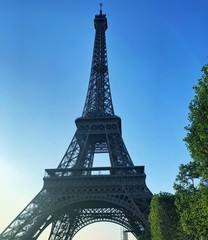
76,193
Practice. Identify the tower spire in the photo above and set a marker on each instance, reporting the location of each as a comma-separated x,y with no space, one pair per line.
101,5
98,101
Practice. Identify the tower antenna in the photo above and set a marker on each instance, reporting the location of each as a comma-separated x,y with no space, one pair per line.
101,5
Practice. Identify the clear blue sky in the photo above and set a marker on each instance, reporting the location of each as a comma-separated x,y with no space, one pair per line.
156,50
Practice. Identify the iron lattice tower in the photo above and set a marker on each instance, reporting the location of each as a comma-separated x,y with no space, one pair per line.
76,194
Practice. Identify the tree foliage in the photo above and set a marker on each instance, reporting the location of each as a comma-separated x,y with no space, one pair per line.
191,201
197,130
146,235
191,190
163,218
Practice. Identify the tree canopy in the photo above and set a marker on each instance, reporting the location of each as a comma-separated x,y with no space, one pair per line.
191,181
197,129
163,218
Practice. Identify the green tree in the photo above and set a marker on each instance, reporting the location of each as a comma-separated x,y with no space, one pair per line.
188,200
192,202
197,130
190,185
163,218
146,235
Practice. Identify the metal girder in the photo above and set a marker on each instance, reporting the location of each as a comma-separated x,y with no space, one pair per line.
99,101
96,136
69,224
29,219
63,199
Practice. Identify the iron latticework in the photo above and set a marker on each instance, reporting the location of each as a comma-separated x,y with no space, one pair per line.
98,101
77,193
